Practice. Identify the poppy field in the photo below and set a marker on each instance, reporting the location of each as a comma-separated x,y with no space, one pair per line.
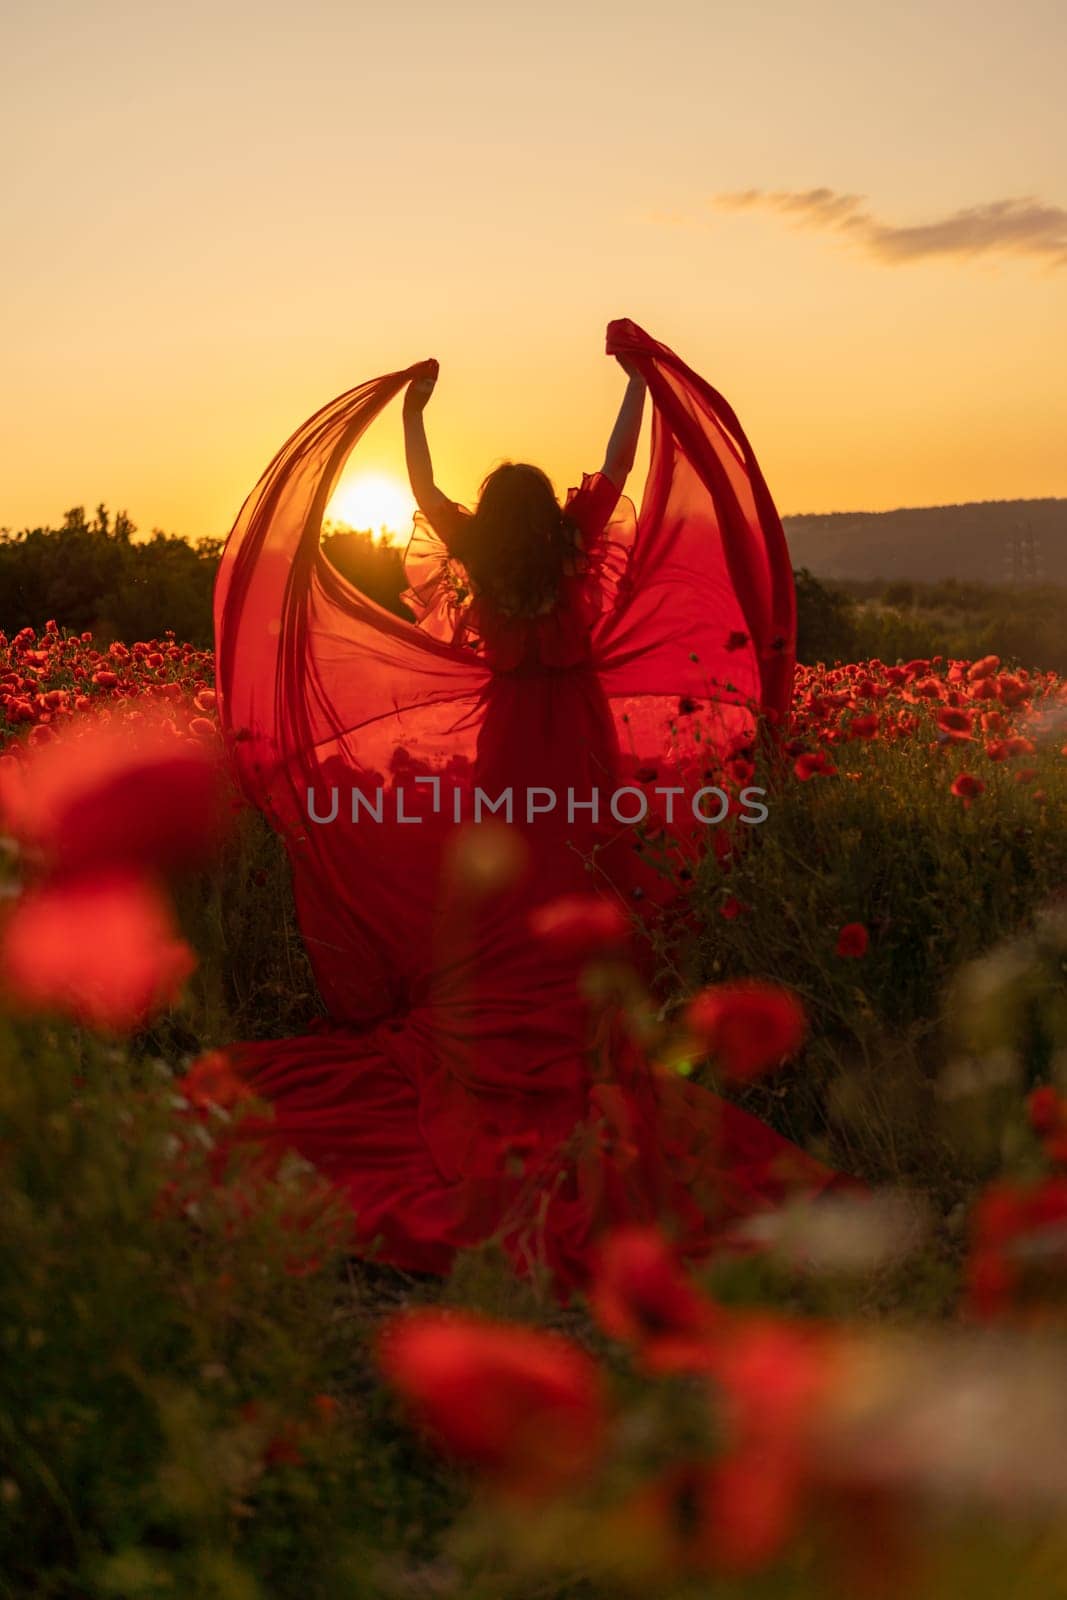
204,1393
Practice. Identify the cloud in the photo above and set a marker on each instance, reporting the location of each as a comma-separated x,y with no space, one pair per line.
1023,226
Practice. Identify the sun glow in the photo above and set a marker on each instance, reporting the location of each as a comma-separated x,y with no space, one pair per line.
374,503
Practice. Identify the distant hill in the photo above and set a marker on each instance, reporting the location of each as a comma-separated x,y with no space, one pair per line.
989,541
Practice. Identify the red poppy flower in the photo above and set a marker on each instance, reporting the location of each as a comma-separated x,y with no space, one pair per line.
578,924
642,1296
523,1407
1009,1221
102,948
864,727
732,908
955,724
809,766
748,1026
211,1081
101,794
735,1514
852,941
772,1376
966,787
1013,691
985,668
1046,1110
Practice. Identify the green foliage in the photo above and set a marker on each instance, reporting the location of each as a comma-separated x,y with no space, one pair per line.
886,844
825,621
254,980
963,621
167,1341
876,620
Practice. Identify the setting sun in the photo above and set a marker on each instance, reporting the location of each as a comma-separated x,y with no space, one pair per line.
372,502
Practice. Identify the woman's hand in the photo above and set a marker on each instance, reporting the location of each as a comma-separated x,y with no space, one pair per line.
629,366
418,393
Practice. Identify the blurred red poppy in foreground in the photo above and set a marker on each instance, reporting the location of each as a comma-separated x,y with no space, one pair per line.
100,793
730,1516
101,948
1018,1249
579,924
734,1514
772,1377
642,1296
747,1026
526,1407
1047,1111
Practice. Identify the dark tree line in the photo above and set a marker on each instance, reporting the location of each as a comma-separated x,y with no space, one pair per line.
90,573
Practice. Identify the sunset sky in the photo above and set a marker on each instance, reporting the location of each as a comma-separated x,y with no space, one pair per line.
851,218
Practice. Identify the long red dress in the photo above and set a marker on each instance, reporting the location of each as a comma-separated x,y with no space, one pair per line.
465,1086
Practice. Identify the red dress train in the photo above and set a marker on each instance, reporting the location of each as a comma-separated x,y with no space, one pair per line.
465,1086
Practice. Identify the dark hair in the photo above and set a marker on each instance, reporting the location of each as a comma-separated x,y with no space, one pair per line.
518,542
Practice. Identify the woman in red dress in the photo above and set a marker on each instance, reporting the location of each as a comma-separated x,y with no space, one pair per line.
439,783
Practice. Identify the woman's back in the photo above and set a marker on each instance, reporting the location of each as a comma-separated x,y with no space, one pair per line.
461,594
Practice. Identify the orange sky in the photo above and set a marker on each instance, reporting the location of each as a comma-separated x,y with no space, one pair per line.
217,216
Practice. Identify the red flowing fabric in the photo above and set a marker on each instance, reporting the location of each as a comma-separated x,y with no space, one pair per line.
465,1086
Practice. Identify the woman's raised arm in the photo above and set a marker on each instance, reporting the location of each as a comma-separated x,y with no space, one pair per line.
622,446
428,496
